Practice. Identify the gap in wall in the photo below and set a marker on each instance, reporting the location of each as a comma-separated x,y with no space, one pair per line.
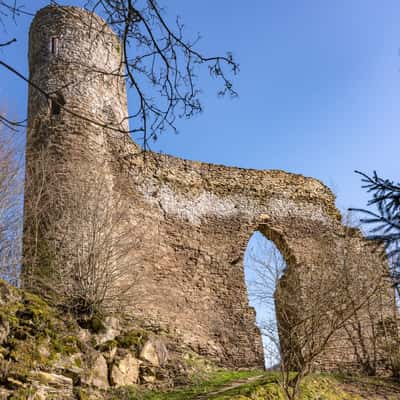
263,266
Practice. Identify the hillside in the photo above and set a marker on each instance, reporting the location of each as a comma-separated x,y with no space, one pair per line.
46,355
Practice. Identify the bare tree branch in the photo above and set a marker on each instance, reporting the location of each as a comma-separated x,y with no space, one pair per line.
160,65
318,309
11,192
87,269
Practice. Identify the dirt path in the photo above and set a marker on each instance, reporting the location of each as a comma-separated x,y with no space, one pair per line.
227,387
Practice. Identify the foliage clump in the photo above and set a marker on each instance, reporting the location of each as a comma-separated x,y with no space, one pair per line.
133,340
36,336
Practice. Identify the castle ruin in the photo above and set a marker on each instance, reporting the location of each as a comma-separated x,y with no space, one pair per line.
191,221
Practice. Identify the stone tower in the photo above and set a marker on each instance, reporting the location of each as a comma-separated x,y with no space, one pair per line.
76,58
79,100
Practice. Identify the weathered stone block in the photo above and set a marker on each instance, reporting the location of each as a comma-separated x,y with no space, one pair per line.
155,352
97,373
125,370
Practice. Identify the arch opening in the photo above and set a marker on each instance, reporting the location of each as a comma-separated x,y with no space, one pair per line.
264,266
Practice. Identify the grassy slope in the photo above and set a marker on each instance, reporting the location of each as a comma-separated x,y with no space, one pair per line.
34,327
258,385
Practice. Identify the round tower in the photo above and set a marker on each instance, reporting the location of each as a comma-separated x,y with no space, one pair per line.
76,61
77,102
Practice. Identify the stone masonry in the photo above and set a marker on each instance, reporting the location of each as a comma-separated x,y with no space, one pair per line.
192,220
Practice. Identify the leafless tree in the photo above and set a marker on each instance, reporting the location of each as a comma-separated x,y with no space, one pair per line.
11,192
94,268
161,63
266,266
78,244
315,309
388,342
376,351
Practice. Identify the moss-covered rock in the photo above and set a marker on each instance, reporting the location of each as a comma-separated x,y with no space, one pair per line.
132,339
107,346
37,335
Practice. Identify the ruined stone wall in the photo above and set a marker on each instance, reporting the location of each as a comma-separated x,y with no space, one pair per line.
197,219
192,220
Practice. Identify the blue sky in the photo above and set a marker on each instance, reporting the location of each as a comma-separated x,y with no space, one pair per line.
319,90
319,87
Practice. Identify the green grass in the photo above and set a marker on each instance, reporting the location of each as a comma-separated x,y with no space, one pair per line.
214,382
262,386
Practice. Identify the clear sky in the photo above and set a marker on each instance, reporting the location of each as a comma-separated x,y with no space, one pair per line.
319,87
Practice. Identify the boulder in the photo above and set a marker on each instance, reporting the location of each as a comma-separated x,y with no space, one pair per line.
97,374
154,352
49,386
125,370
52,380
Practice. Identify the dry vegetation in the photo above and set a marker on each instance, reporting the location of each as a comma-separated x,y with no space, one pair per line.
11,195
87,269
325,307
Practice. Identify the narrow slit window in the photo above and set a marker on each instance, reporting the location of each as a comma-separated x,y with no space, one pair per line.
54,45
57,103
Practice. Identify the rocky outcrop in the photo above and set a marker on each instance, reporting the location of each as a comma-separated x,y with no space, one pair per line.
45,353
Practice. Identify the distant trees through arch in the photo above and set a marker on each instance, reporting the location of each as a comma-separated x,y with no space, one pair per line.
264,265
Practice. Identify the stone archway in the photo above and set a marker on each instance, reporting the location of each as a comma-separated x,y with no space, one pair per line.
278,289
202,216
